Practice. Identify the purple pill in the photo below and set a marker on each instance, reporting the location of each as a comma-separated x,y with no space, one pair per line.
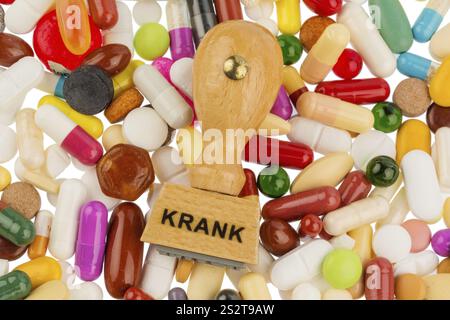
441,242
91,240
177,294
181,44
283,105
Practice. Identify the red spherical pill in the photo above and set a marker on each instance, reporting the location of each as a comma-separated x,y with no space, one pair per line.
50,48
349,65
310,226
324,7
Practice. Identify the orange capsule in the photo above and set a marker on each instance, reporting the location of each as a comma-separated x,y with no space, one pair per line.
104,13
73,23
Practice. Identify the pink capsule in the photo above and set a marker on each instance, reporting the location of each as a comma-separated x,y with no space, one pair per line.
68,135
91,240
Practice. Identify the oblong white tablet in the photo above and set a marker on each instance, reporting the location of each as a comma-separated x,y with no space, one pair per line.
369,145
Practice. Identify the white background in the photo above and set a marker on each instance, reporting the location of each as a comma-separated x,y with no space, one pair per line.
413,9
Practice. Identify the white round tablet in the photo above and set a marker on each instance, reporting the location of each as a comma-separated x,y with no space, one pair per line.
144,128
9,144
269,24
306,291
392,242
369,145
145,11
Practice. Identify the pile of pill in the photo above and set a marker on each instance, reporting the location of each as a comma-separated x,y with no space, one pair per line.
346,212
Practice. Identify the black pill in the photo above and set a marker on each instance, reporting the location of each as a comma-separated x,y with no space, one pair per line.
2,19
88,90
228,294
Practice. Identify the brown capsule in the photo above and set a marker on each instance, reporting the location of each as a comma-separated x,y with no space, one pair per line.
278,237
438,117
124,249
123,104
9,251
379,280
112,58
250,187
125,172
312,29
12,49
354,187
228,10
104,13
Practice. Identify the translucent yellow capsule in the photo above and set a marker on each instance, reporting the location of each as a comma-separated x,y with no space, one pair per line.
439,84
5,178
124,80
413,135
41,270
288,13
73,23
90,124
52,290
446,212
363,242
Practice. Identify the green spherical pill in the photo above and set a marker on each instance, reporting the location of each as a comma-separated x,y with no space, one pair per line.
291,48
273,181
151,41
342,268
382,171
388,117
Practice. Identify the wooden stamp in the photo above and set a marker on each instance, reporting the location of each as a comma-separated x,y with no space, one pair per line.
237,76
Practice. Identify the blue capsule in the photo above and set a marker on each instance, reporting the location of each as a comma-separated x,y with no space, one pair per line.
415,66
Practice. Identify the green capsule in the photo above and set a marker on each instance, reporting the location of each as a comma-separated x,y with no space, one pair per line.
393,24
14,285
16,228
388,117
382,171
291,48
273,181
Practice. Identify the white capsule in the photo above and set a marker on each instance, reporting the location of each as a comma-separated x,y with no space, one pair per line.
94,192
398,209
122,32
269,24
157,273
442,157
86,291
23,15
30,140
344,241
306,291
163,96
181,75
9,143
71,197
299,265
56,160
421,264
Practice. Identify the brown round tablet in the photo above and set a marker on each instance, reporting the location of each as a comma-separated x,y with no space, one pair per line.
444,266
438,117
410,287
22,197
312,30
412,97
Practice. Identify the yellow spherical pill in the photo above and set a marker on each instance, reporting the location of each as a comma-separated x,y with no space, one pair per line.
5,178
446,212
124,80
41,270
92,125
288,13
439,84
413,135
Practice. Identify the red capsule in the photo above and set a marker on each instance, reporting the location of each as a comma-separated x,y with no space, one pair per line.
136,294
104,13
295,206
354,187
361,91
250,187
228,10
7,1
349,65
324,7
379,280
310,226
267,151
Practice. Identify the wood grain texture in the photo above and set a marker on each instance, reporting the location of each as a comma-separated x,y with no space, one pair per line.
241,213
222,103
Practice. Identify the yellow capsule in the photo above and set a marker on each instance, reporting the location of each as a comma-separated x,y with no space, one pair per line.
190,144
41,270
273,125
413,135
205,281
293,83
90,124
184,269
42,224
446,212
439,84
253,286
52,290
325,53
363,242
124,80
357,291
335,112
5,178
288,13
